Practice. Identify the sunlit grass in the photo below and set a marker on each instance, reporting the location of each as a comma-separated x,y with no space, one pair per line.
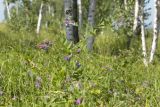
38,78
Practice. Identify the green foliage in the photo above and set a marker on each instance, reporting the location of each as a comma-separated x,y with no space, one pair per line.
66,74
110,43
34,77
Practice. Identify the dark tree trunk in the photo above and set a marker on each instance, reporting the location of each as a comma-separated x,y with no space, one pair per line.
75,18
70,7
91,21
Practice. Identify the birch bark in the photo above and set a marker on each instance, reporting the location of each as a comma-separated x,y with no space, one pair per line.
144,53
39,19
136,14
8,11
155,32
70,9
91,21
80,13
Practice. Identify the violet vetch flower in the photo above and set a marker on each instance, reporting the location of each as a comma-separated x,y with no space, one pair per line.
79,50
44,45
78,102
78,64
68,58
38,82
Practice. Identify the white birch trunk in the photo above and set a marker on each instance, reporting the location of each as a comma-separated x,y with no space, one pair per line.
143,40
8,11
155,33
39,19
80,13
136,15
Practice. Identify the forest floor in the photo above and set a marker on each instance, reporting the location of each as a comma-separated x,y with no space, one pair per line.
63,75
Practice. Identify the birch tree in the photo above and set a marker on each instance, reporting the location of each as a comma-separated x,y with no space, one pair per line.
91,22
136,14
8,11
70,9
80,13
144,53
39,18
155,31
75,19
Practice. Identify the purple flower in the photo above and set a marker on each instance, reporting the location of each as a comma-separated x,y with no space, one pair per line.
78,64
44,45
79,50
78,102
38,82
68,58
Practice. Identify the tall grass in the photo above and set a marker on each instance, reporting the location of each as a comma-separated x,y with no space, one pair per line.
30,77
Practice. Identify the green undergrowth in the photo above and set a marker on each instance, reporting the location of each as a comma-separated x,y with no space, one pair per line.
66,73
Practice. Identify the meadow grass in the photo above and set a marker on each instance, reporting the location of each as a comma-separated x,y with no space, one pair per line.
68,76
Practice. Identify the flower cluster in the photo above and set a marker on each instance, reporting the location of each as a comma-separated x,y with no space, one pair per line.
38,82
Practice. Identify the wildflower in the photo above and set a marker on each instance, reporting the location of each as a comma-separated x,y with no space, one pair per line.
78,101
79,50
44,45
78,64
38,82
68,58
